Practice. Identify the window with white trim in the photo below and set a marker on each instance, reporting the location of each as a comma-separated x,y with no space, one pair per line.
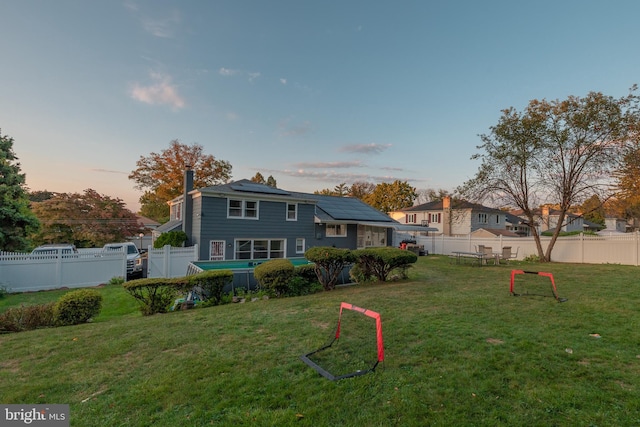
300,244
482,218
410,218
435,217
247,209
259,248
336,230
292,211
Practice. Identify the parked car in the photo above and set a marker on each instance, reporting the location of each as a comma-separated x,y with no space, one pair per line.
55,250
134,259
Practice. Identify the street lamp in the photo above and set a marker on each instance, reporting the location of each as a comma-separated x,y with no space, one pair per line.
140,236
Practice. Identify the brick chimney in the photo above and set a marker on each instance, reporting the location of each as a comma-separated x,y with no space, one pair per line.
187,203
446,215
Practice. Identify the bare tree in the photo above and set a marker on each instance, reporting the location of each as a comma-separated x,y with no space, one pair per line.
559,152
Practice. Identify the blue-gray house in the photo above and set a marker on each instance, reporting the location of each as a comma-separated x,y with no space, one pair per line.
246,220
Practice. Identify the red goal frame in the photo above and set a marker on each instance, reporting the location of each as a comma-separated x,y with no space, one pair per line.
539,273
380,345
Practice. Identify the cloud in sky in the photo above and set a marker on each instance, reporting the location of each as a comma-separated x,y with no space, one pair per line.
339,177
227,72
335,165
283,81
294,130
372,148
108,171
164,27
160,92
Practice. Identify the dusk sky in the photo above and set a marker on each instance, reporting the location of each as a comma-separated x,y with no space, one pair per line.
315,93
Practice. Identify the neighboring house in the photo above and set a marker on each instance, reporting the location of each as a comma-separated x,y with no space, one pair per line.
246,220
546,219
517,225
452,218
591,226
147,223
618,225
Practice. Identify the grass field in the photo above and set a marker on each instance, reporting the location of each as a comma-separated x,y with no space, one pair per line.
459,350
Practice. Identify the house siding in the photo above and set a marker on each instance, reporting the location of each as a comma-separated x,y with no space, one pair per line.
271,224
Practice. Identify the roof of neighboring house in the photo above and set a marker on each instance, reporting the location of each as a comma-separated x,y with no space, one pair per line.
592,225
515,219
538,212
460,204
497,232
147,222
168,226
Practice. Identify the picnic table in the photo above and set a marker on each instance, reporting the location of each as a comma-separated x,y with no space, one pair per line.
480,257
474,256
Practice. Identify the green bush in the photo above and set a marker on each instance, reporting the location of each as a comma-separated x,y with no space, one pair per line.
26,318
307,272
358,275
212,284
380,262
3,292
173,238
299,285
118,280
156,295
329,263
77,307
274,276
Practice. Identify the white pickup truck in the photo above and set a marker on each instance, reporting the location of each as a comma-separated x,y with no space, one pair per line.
134,260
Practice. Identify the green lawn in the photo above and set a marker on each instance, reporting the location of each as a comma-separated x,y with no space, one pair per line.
460,350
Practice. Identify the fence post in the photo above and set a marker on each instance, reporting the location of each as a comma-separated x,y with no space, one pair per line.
59,268
166,261
196,252
636,246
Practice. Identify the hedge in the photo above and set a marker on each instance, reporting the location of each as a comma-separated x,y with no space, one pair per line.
212,283
156,295
274,276
77,307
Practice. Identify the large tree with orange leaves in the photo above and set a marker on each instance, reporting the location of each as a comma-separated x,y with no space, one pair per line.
160,175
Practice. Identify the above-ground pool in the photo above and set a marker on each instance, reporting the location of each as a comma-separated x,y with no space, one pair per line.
241,264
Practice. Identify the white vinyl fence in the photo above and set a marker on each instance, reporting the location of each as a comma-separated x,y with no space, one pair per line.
170,262
20,272
582,249
23,272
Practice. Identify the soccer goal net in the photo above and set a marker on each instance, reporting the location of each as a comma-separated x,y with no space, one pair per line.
534,283
355,348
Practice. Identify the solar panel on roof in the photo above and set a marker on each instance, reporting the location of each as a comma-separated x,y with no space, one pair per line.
350,209
257,188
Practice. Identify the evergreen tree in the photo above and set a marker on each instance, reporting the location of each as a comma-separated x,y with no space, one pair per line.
16,219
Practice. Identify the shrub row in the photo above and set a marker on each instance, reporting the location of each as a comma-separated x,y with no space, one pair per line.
156,295
72,308
368,264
